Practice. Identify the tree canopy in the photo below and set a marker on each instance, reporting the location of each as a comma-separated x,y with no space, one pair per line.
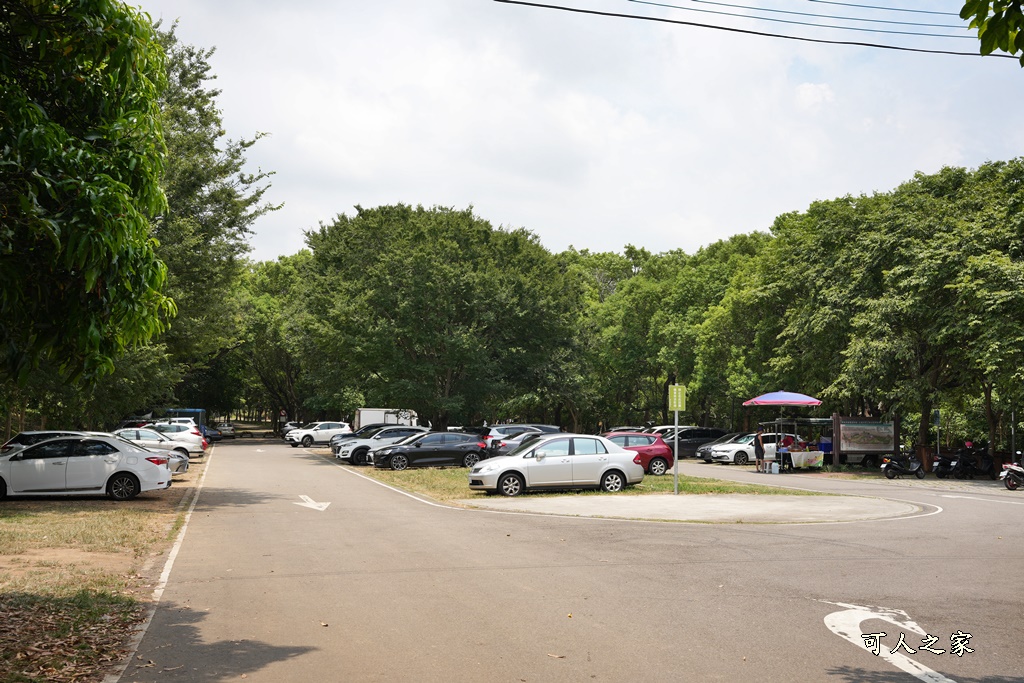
82,154
1000,25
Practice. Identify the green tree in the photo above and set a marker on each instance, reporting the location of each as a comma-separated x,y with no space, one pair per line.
999,24
82,153
435,310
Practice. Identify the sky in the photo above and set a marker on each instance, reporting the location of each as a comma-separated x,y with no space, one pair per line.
591,131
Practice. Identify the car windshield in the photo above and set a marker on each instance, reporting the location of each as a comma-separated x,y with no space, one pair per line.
743,438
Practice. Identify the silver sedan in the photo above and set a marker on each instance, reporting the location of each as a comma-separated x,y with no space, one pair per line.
559,461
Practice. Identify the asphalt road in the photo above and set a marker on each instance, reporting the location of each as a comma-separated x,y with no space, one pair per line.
381,586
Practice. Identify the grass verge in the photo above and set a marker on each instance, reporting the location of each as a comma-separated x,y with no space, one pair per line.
75,579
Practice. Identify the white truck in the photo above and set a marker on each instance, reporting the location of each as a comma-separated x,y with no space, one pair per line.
391,416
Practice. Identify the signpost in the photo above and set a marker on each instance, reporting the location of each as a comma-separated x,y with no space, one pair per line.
676,402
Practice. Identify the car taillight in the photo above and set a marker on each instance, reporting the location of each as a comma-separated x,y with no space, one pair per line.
483,445
205,444
637,460
195,431
157,460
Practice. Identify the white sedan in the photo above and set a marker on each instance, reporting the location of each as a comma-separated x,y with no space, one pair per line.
559,461
155,441
82,465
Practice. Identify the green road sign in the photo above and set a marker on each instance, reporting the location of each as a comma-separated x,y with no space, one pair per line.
677,398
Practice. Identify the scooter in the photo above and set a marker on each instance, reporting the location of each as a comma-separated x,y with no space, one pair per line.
978,464
894,466
943,465
1013,474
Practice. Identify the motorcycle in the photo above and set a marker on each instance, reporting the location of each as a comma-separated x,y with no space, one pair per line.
974,464
897,466
1013,474
943,465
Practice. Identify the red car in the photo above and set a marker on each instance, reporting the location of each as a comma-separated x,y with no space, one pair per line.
655,454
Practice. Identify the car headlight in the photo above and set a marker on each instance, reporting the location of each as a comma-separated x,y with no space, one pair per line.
485,468
384,451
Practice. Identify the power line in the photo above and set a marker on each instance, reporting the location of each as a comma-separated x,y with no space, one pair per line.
729,29
959,26
799,23
886,9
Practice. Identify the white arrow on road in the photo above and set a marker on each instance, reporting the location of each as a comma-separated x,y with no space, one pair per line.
846,625
308,502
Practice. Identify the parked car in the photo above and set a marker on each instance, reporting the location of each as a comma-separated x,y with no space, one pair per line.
155,441
316,433
559,461
227,430
738,451
741,451
180,432
26,439
431,449
503,445
704,450
357,451
627,429
289,426
655,455
692,438
83,464
213,434
360,433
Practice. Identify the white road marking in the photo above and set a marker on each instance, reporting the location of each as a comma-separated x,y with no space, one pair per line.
308,502
846,625
986,500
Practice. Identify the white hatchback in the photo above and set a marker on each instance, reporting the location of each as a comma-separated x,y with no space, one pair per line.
559,461
82,465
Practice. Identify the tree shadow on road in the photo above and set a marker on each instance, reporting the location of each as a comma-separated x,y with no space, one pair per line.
849,674
174,651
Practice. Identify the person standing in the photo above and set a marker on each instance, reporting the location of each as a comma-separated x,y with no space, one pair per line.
759,449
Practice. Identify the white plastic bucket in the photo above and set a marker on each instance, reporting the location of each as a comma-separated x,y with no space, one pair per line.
775,468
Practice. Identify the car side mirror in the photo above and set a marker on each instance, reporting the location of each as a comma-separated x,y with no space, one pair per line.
418,444
539,455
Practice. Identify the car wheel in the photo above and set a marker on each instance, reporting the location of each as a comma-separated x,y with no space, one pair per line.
658,467
470,459
399,462
307,441
741,458
613,481
3,487
359,457
869,462
123,486
511,485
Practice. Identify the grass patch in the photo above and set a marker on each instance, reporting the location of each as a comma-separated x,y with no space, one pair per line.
446,484
91,525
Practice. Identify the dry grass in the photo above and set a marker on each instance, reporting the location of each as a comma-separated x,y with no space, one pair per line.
75,576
